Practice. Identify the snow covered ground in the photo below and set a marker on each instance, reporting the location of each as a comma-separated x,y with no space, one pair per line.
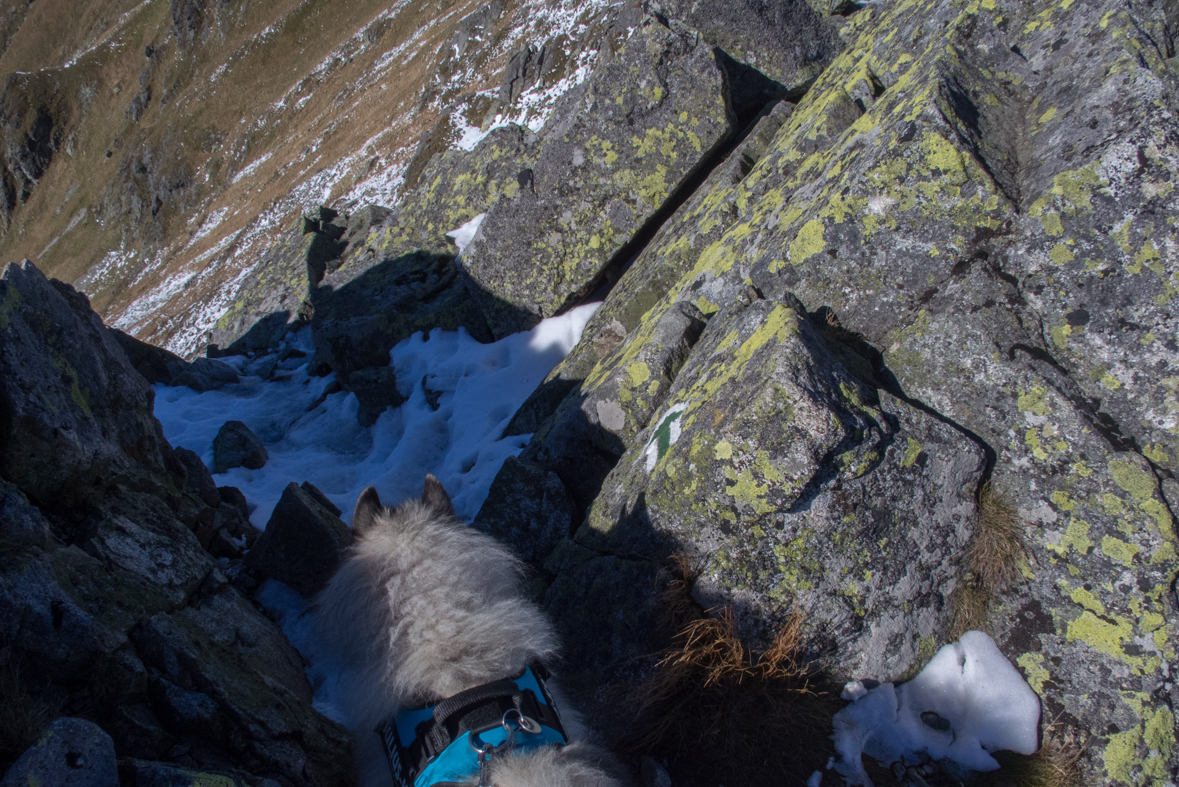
461,394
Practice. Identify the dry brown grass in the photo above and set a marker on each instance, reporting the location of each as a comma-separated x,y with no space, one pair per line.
1056,764
720,714
998,541
992,561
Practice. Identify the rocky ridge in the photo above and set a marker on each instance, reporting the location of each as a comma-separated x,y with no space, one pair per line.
914,292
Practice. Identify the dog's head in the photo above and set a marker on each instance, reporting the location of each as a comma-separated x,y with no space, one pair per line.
370,513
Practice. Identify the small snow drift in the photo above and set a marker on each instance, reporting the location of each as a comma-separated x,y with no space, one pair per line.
463,236
968,701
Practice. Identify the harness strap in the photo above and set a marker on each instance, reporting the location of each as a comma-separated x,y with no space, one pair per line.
416,738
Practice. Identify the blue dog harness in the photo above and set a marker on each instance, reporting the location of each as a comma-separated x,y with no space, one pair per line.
448,742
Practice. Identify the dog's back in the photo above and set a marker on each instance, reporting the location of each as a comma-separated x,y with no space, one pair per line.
423,608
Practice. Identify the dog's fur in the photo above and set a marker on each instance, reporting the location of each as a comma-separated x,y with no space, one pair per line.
425,607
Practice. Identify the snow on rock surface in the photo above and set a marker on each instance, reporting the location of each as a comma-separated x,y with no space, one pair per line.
968,701
460,395
466,233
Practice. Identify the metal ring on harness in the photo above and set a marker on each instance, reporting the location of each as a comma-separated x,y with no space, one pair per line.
486,750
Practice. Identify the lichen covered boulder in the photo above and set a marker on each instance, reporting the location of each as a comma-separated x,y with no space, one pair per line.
614,151
790,483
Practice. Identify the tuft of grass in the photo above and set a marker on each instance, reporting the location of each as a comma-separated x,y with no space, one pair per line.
22,717
1056,764
998,541
719,713
992,561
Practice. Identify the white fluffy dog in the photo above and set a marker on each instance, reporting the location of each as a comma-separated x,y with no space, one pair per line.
425,608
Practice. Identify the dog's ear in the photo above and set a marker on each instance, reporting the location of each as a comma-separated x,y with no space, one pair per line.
436,498
368,505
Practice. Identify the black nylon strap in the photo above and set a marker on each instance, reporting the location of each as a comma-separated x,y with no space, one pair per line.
479,709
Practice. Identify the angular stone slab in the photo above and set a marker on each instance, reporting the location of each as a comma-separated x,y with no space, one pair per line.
610,157
793,483
303,543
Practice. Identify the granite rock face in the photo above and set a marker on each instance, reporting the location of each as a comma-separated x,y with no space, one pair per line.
91,425
615,150
113,608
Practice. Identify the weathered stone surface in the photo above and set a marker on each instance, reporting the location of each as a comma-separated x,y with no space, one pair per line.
376,391
357,325
986,206
70,753
98,558
606,610
198,480
156,364
21,524
526,508
786,40
76,415
400,277
303,542
275,297
672,253
614,151
206,374
793,483
236,446
234,497
222,674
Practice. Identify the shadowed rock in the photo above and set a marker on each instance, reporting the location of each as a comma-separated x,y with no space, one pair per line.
70,753
236,446
303,542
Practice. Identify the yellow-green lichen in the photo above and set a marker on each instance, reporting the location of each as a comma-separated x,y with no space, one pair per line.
808,242
912,451
1033,667
1119,550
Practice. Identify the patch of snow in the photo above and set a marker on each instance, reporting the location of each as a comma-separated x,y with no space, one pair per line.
73,223
463,236
314,436
967,702
250,169
211,223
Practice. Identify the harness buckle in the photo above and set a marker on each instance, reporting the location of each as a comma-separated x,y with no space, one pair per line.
485,750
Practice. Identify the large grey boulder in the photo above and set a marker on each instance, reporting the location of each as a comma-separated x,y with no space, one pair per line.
614,151
999,251
70,753
788,481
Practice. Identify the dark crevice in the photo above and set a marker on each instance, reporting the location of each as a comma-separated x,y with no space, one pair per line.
599,287
847,8
1102,422
1167,45
966,111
